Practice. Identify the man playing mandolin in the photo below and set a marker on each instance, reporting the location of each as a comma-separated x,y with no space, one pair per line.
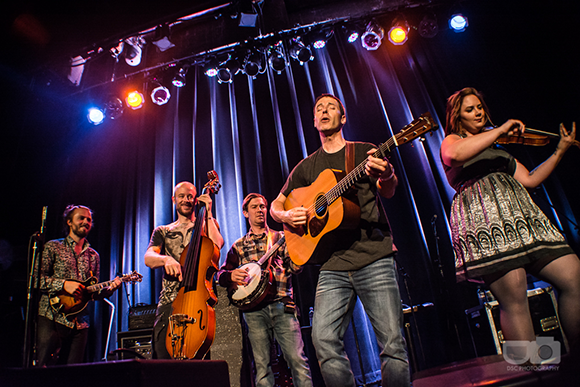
273,315
66,263
357,260
165,248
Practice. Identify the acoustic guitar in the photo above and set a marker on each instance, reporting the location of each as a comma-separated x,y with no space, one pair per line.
328,209
65,303
260,283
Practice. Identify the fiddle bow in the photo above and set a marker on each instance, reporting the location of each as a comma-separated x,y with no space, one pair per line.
192,322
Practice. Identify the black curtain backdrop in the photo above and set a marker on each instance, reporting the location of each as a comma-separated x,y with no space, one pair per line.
254,131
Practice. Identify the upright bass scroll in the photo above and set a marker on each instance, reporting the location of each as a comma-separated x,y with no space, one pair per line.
192,321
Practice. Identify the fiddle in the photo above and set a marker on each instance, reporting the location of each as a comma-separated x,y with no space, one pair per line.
530,136
523,139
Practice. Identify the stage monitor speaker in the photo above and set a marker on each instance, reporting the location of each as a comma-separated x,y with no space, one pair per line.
137,341
142,316
484,324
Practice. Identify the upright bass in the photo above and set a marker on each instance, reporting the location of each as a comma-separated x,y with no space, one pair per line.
192,322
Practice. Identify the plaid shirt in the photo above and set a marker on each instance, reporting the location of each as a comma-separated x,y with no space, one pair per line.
250,248
60,263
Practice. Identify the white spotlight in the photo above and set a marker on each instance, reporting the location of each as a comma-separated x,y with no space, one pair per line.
132,50
160,95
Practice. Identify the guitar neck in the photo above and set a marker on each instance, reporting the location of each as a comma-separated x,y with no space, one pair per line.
97,287
408,133
134,277
348,181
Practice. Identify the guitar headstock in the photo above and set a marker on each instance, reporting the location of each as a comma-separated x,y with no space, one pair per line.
416,129
132,277
213,185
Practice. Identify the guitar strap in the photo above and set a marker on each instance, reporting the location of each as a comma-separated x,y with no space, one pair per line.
349,157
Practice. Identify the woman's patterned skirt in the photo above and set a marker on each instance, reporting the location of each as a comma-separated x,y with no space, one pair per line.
496,227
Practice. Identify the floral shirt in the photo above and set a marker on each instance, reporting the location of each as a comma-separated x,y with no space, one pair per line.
250,248
60,263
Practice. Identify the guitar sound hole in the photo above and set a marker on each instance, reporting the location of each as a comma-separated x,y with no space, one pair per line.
321,205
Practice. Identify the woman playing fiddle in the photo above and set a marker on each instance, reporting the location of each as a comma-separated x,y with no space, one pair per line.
499,234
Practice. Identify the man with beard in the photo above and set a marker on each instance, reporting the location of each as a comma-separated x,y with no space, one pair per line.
65,264
164,250
276,315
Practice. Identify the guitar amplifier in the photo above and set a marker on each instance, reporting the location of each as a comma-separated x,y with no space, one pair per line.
137,341
142,316
485,328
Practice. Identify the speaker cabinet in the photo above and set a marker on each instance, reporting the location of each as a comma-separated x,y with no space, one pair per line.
136,343
484,323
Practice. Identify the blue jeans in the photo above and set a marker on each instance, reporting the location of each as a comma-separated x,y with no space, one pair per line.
270,321
336,293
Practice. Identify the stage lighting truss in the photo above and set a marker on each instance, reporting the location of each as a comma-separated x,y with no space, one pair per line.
210,69
399,32
458,22
276,57
160,95
111,109
179,78
319,38
372,38
114,108
428,27
133,50
253,63
161,39
353,32
299,51
134,100
96,116
227,69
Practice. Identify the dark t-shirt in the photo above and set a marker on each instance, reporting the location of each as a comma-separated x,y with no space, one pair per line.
493,159
348,249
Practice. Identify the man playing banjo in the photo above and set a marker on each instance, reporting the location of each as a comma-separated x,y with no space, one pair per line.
266,316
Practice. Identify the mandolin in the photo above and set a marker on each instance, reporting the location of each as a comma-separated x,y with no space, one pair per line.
65,303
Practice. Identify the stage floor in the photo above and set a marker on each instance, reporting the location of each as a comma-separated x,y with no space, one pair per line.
125,373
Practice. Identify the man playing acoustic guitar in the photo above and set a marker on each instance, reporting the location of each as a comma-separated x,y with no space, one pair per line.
357,260
66,263
273,315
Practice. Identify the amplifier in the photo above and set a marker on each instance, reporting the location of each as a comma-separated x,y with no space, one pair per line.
138,341
485,328
142,316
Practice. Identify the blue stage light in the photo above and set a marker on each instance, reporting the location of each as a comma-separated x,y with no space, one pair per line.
458,22
95,116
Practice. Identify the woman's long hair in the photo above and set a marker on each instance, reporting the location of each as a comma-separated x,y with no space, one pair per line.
454,102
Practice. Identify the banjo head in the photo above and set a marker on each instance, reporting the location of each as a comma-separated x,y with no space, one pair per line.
254,274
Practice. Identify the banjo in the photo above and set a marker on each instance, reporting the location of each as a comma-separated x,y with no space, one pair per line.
260,283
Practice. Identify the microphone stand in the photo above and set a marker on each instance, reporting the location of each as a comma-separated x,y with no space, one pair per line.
444,292
32,295
110,327
437,254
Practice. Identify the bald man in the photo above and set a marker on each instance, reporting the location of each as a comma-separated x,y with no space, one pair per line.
164,250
